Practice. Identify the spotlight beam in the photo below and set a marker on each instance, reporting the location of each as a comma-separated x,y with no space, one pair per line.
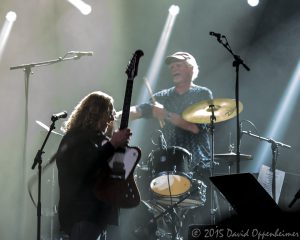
282,116
83,7
157,60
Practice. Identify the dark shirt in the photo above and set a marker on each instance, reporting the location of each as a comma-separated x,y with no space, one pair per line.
197,144
79,158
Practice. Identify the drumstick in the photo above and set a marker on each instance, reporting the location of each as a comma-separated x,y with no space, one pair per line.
161,122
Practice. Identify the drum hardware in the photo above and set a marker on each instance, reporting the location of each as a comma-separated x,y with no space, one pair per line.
212,111
170,212
162,141
166,222
230,158
142,167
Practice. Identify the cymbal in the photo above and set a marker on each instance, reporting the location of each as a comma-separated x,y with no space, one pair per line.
200,112
47,128
231,156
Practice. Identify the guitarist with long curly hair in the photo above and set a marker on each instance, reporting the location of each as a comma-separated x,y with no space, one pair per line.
83,155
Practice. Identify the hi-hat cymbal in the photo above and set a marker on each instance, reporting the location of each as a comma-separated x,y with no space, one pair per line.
201,112
231,156
47,128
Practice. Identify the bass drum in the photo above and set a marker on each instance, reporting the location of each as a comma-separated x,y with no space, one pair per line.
170,171
144,225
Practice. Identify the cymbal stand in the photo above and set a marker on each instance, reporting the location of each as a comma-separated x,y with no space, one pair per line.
212,130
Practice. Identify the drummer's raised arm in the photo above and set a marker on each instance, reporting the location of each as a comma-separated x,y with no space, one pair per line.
135,113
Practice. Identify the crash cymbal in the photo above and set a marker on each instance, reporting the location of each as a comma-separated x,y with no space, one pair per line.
231,156
200,112
47,128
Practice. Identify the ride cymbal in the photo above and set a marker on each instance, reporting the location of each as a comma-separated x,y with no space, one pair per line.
201,112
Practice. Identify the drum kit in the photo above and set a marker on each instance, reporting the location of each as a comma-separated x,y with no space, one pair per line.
166,181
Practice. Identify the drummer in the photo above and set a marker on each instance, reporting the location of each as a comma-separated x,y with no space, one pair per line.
169,105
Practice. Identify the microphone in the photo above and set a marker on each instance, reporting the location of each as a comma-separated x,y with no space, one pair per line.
217,35
81,53
57,116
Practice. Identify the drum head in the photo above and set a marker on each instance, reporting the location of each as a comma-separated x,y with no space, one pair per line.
169,184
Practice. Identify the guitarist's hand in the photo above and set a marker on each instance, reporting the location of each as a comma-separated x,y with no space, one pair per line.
120,138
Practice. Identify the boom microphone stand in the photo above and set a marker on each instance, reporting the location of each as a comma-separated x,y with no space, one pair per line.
28,70
38,161
274,146
236,63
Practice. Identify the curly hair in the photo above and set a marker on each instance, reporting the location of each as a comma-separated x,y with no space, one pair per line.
89,111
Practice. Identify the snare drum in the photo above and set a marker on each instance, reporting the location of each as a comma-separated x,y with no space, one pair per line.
170,171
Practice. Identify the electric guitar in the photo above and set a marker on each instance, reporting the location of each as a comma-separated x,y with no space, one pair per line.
118,187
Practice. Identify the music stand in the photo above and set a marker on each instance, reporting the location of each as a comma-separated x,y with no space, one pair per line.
247,197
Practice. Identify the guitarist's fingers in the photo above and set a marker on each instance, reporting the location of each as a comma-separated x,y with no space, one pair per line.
120,138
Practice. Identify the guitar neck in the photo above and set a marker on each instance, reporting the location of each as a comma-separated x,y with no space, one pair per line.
126,105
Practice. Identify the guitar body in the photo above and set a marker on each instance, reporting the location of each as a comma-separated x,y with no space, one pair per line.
117,189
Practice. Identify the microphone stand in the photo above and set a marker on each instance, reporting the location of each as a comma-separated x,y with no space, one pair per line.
274,147
38,161
236,63
27,69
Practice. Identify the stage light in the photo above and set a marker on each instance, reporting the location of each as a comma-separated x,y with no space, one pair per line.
253,3
11,16
174,10
6,29
83,7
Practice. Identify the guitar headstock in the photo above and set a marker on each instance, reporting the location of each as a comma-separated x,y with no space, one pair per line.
132,68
